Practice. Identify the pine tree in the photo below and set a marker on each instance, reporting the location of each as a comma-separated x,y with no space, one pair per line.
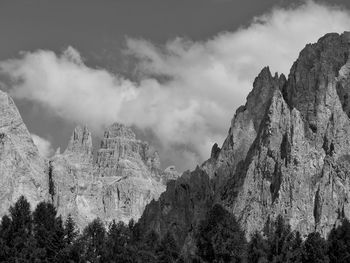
294,254
5,238
339,243
315,249
257,249
146,250
220,238
118,247
21,243
280,241
48,231
93,241
70,230
168,250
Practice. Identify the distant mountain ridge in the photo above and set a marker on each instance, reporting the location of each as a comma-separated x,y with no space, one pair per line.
287,153
125,177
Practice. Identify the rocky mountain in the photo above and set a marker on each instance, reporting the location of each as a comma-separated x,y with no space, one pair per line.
287,152
124,179
22,169
117,186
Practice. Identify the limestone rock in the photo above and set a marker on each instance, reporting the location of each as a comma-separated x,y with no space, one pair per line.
124,179
80,145
22,169
76,192
287,150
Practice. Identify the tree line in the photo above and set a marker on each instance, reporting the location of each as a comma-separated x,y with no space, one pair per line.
42,236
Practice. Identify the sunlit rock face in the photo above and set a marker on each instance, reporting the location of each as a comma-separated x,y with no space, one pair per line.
287,151
75,191
22,169
129,170
124,179
117,186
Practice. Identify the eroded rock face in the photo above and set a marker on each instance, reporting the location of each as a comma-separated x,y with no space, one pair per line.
22,170
75,190
129,170
124,179
287,150
181,206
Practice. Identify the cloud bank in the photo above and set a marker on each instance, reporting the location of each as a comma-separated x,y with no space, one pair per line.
44,146
185,92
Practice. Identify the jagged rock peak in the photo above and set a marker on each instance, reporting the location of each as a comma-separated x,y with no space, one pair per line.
119,143
10,117
286,153
80,142
215,150
22,169
119,130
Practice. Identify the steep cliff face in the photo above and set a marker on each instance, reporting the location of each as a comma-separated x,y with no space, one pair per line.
22,170
117,186
298,165
124,179
74,189
287,150
130,173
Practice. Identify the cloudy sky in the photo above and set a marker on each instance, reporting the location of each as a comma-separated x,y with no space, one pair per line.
174,70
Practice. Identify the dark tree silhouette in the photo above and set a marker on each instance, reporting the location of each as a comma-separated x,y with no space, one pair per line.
315,249
220,238
339,243
93,241
118,247
257,249
168,250
70,231
48,231
22,243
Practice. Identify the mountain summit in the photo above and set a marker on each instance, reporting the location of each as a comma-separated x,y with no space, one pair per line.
287,153
125,177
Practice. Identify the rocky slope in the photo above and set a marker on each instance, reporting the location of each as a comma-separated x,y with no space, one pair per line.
124,179
22,170
117,186
287,152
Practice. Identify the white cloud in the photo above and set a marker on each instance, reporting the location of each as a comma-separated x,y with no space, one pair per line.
202,83
44,146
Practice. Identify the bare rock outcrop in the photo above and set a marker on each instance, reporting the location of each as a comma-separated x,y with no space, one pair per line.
22,169
75,191
117,186
124,179
129,171
287,150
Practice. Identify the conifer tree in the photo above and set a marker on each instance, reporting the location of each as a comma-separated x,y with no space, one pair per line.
257,249
118,247
48,231
220,237
21,243
147,249
168,250
280,241
295,250
5,238
339,243
70,230
93,241
315,249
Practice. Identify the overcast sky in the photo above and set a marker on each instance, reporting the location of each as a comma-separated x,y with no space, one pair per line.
175,70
